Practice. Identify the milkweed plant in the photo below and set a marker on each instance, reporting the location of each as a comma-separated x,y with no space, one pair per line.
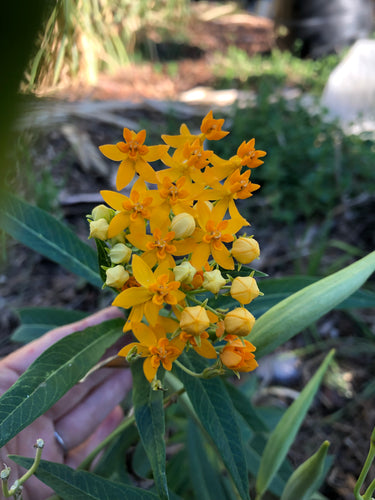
176,252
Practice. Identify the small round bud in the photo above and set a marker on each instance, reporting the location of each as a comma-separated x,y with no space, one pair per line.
213,281
99,229
244,289
184,272
245,250
120,254
4,474
116,276
194,320
102,212
39,443
239,322
183,225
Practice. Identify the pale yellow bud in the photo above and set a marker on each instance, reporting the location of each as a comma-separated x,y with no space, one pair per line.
194,320
244,289
102,212
120,254
99,229
119,238
184,272
116,276
245,250
239,322
213,281
183,225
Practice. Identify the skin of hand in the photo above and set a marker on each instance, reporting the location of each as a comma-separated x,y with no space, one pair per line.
83,417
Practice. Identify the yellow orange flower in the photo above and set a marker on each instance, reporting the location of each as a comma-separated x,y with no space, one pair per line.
155,347
132,211
244,289
212,236
159,245
239,322
134,156
200,344
194,320
211,128
157,288
247,156
238,355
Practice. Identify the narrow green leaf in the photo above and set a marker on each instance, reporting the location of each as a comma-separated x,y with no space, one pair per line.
306,479
203,477
103,258
216,412
149,416
52,374
293,314
38,320
283,435
81,485
38,230
245,408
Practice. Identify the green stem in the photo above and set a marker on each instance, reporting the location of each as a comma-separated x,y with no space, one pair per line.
200,302
19,482
369,491
364,472
186,370
85,464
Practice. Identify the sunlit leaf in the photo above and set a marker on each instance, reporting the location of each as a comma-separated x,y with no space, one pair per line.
283,435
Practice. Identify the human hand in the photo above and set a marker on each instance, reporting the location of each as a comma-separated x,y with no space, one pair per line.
83,417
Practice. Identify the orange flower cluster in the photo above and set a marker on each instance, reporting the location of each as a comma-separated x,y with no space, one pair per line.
170,238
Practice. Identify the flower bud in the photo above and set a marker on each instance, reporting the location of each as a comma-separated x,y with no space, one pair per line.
102,212
244,289
194,320
213,281
184,272
183,225
245,250
120,254
116,276
99,229
239,322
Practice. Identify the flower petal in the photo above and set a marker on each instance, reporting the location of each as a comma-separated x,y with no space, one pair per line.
132,297
200,255
149,370
142,272
114,199
145,171
125,174
118,224
223,257
206,349
112,152
144,334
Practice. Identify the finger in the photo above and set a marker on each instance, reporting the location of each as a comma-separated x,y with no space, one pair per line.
21,359
76,426
109,424
78,393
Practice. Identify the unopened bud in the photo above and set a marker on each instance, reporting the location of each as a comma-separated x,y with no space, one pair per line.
239,322
116,276
120,254
245,250
102,212
184,272
244,289
213,281
194,320
99,229
183,225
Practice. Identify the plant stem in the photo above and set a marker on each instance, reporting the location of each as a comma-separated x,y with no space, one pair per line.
364,472
85,464
186,370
